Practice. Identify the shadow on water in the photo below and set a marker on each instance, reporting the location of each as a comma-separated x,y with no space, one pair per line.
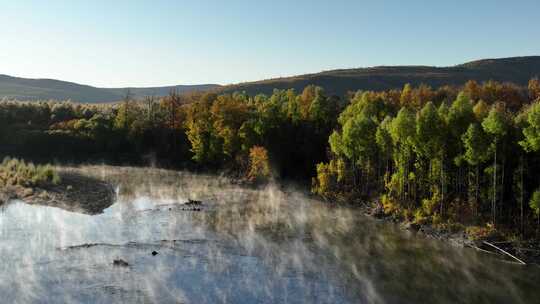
240,246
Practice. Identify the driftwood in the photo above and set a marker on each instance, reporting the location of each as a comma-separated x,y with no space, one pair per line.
505,252
480,249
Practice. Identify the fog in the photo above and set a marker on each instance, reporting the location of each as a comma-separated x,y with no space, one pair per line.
242,245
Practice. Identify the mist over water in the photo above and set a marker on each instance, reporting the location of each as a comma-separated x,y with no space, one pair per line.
274,245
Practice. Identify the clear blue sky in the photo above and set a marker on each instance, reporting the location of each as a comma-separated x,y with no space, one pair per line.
150,43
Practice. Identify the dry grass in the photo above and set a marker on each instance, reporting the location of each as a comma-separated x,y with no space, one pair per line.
16,172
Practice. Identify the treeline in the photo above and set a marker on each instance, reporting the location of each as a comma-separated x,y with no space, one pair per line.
472,159
448,154
199,131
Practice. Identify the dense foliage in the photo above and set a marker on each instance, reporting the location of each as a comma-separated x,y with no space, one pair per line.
469,158
447,155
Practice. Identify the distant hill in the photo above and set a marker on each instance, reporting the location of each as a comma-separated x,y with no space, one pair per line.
515,69
44,89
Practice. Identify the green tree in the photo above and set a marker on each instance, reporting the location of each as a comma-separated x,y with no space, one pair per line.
429,143
403,131
206,144
534,203
356,144
476,145
495,125
531,142
125,116
384,143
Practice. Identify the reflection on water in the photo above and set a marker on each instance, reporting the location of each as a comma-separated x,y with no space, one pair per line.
244,246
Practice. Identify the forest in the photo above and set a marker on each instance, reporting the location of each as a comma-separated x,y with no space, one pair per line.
458,157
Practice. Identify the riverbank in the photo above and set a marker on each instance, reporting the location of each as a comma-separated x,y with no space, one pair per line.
75,192
82,190
522,252
490,241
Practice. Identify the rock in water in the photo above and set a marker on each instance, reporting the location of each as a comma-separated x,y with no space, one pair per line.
411,226
193,203
154,253
120,262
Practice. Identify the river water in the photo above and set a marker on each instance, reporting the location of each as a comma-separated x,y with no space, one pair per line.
274,245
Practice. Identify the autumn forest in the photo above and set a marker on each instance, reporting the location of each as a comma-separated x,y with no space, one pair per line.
455,157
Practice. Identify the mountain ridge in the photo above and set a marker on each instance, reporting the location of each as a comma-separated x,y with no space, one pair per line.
517,70
46,88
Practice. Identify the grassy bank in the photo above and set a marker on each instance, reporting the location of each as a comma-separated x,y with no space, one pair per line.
17,172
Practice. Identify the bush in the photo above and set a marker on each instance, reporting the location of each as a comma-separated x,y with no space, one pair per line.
329,177
431,205
480,232
17,172
390,206
259,164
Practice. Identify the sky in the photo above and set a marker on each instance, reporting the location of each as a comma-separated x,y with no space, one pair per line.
157,43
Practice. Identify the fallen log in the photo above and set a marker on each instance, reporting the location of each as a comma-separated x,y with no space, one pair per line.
505,252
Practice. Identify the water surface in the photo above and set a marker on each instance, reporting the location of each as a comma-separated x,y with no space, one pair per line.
274,245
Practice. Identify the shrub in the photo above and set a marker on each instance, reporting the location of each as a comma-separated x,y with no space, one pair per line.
480,232
390,206
328,179
17,172
259,164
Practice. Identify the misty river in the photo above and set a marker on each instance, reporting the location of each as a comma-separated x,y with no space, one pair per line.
273,245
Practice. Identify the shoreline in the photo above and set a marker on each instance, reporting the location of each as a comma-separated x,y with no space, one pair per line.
86,194
504,249
76,193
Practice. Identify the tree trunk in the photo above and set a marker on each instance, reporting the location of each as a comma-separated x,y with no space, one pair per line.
442,185
501,202
494,200
476,190
521,194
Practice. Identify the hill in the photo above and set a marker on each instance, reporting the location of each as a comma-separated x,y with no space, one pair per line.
44,89
515,69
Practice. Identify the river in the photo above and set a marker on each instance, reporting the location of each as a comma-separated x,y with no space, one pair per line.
273,245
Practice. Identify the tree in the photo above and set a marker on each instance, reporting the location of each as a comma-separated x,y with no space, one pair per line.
305,99
534,88
206,145
228,115
406,98
329,178
429,127
259,164
460,116
529,122
531,143
429,143
496,125
476,146
534,203
481,110
384,143
357,138
403,131
124,116
472,90
356,144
